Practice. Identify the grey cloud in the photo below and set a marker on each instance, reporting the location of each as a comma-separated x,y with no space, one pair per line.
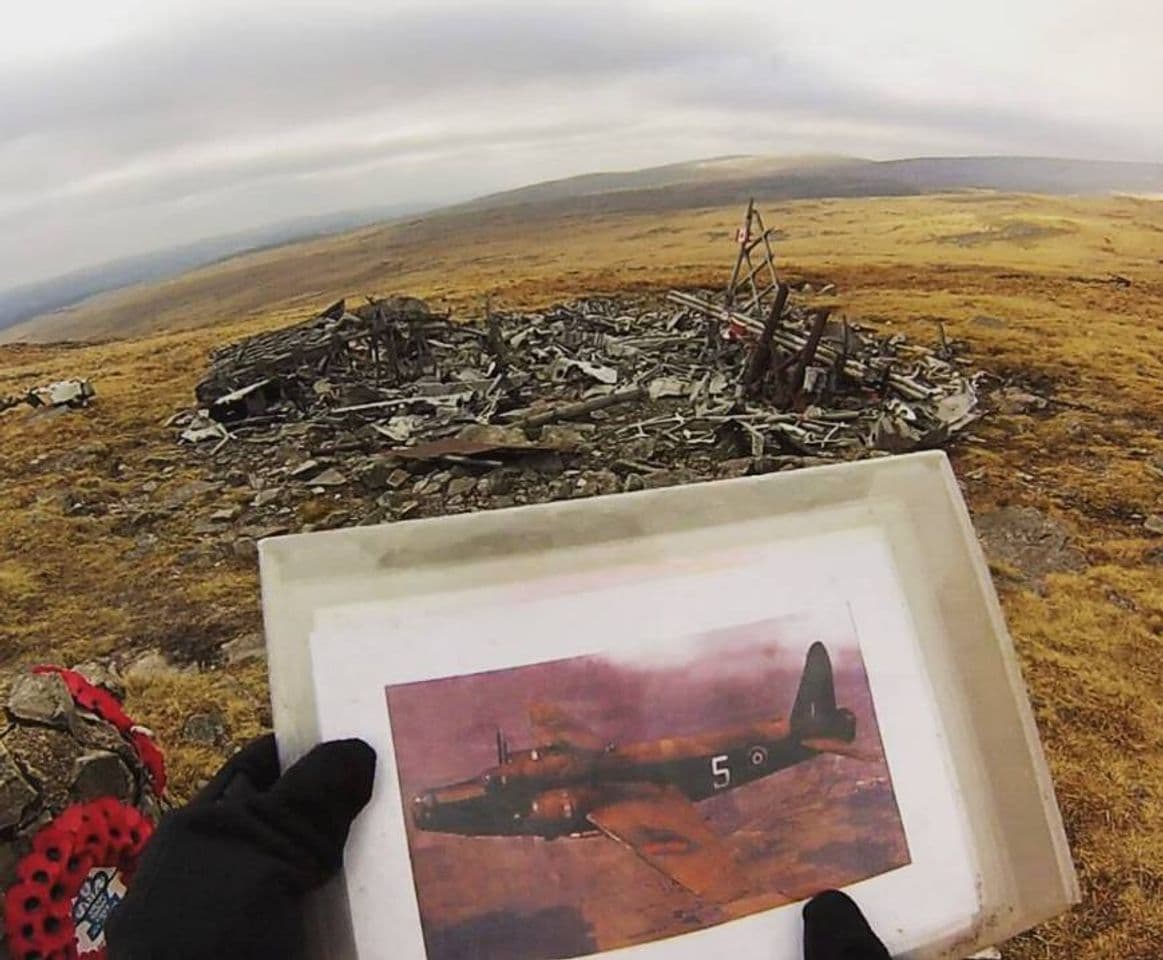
223,122
269,72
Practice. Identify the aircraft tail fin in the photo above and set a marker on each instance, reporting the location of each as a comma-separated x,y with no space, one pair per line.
814,713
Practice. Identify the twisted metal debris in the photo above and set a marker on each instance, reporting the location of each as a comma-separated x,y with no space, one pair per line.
614,393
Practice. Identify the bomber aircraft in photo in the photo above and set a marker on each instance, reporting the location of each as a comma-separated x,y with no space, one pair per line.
642,795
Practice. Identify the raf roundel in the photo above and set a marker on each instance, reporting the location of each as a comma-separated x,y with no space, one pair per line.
757,756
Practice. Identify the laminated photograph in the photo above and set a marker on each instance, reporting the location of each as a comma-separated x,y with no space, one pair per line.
662,744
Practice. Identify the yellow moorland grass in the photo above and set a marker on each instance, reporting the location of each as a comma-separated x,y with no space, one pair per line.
1019,279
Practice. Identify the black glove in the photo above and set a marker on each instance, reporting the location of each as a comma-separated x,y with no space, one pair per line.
835,929
226,875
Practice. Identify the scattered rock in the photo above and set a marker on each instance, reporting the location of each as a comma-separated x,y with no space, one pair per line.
243,649
306,470
633,482
208,729
150,665
335,519
735,468
16,793
100,773
245,548
194,490
104,675
1011,400
993,323
329,478
1031,542
599,483
1154,523
262,532
373,474
658,479
461,486
226,514
267,496
42,698
562,437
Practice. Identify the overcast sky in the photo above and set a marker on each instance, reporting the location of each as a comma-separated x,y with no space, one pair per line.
131,125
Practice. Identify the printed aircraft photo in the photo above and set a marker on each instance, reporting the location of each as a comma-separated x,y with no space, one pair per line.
722,774
642,795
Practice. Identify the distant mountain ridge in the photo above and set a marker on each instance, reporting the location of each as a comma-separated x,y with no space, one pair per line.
710,182
45,296
723,180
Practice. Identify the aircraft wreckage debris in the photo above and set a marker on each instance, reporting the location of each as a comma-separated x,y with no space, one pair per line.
393,402
72,393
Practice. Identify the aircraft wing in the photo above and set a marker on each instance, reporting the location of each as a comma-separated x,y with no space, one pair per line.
663,828
552,725
841,747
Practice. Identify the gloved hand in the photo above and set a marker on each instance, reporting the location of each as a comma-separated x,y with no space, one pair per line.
226,875
835,929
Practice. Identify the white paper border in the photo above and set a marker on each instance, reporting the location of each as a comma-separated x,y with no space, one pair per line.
358,649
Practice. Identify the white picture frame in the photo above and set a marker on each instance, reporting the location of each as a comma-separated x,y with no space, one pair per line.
349,612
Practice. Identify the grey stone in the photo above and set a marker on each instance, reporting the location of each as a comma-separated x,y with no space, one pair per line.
42,698
329,478
100,773
658,479
306,470
547,463
461,486
1011,400
994,323
243,649
739,467
267,496
1028,540
16,793
1154,523
102,674
193,490
373,475
600,482
245,548
261,532
640,448
501,482
335,519
208,729
397,478
633,482
150,665
226,514
562,437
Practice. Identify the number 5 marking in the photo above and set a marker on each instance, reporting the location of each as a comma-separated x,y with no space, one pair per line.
721,772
